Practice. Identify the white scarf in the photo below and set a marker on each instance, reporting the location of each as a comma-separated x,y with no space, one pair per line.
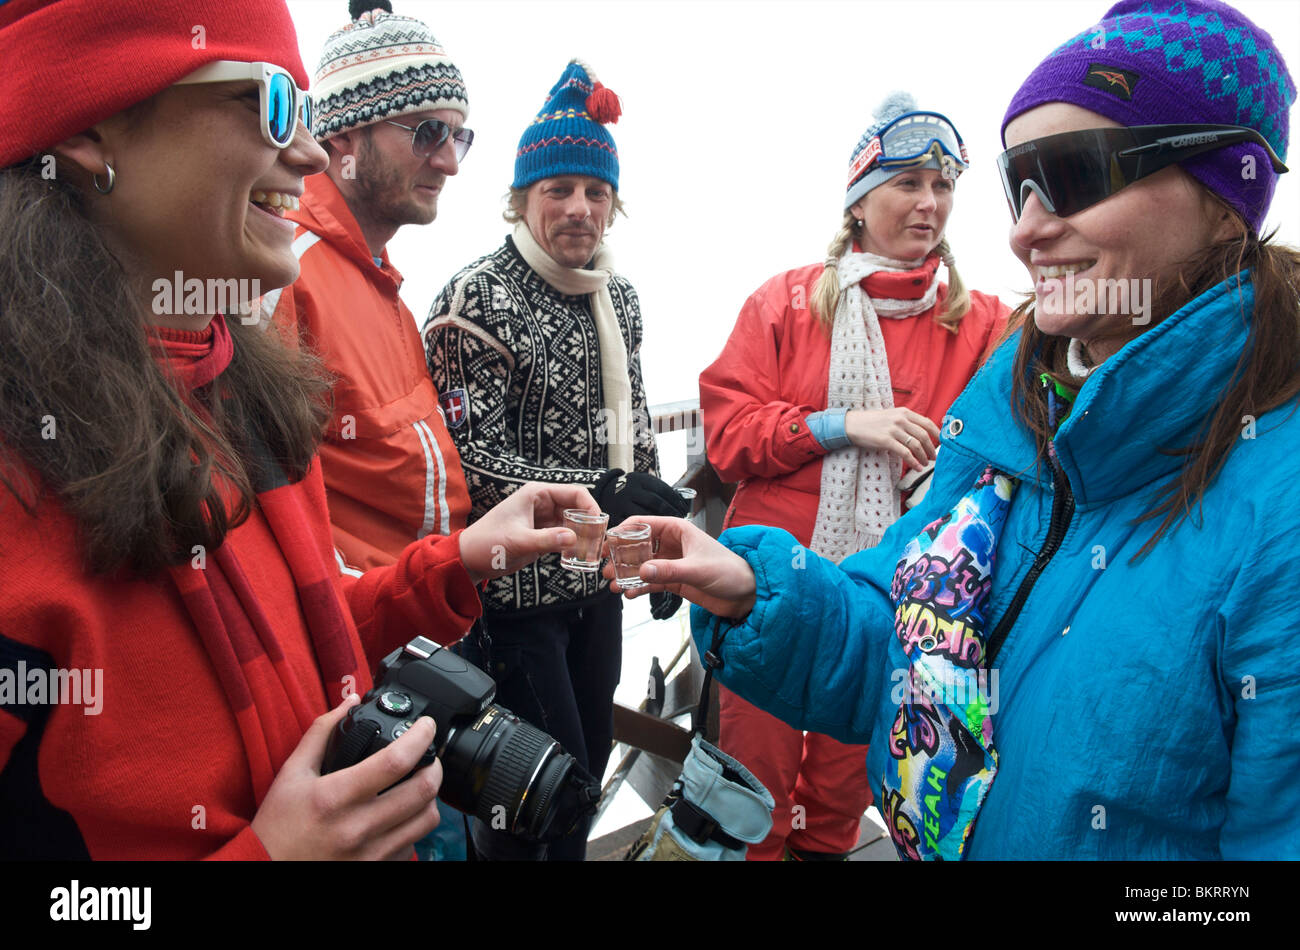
859,489
1076,360
614,380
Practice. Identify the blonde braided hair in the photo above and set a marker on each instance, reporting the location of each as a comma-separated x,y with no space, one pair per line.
826,295
957,304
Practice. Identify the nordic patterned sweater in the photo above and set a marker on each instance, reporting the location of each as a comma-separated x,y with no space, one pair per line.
518,366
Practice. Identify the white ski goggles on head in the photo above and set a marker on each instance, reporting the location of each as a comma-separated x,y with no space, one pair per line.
914,138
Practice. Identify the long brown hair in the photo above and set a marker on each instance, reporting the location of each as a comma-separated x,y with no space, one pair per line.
1266,376
87,414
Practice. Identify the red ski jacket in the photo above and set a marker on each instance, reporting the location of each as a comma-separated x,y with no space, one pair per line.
772,374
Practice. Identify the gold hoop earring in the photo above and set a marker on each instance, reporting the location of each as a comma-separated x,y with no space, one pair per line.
112,180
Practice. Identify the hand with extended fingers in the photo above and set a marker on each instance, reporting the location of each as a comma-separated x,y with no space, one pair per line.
691,563
520,529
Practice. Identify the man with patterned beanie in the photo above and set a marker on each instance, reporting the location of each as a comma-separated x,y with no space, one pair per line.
534,349
390,111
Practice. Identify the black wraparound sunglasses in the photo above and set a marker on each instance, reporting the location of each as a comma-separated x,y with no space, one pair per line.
1075,170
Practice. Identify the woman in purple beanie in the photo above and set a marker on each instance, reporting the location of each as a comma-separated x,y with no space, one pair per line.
1083,642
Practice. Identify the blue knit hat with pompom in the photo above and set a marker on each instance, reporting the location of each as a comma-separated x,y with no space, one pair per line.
568,137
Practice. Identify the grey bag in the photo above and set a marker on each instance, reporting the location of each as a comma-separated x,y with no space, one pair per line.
715,810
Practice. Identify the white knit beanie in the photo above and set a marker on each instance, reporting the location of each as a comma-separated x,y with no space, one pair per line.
381,66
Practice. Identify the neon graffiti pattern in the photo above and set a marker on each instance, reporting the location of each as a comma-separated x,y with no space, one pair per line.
941,759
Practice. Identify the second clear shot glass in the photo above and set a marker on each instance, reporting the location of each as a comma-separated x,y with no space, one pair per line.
629,548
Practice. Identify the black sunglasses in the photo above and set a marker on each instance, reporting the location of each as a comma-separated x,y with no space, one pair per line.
429,136
1075,170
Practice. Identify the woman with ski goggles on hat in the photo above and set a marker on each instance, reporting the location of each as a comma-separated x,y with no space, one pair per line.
176,639
1083,642
825,405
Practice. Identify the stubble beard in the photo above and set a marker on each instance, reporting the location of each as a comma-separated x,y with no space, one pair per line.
385,194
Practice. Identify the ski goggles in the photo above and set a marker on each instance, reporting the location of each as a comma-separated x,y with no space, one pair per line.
913,139
1076,170
282,102
431,134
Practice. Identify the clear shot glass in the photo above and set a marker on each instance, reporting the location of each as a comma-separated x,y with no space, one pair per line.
629,548
589,528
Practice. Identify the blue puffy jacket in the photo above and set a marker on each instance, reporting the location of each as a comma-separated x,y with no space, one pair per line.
1143,710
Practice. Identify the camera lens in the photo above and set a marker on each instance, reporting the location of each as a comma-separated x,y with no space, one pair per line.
508,774
514,777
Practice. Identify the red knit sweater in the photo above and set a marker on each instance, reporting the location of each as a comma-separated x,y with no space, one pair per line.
160,771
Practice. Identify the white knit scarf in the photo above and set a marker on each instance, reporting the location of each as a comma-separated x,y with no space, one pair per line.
859,489
614,380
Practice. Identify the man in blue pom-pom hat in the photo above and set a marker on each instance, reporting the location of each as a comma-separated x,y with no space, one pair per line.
538,344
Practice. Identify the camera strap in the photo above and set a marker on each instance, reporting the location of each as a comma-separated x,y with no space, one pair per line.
712,661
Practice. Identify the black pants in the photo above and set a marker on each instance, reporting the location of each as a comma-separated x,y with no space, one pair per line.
556,670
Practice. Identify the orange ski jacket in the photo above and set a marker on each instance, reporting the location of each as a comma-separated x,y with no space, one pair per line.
392,473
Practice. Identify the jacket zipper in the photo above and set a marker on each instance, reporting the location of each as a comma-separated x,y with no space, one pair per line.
1062,512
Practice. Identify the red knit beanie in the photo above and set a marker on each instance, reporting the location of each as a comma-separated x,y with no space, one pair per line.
69,64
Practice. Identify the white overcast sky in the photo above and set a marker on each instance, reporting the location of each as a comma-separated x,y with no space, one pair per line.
739,118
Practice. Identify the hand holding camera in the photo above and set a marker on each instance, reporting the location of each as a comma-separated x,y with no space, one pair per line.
512,776
310,816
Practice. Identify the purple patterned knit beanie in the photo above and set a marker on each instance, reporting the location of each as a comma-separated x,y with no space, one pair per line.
1153,62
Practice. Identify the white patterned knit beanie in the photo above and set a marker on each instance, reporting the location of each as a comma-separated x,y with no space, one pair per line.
381,66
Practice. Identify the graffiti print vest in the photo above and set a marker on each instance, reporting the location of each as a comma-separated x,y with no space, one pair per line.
941,761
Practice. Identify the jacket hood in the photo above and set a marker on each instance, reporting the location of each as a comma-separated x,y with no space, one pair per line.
1151,398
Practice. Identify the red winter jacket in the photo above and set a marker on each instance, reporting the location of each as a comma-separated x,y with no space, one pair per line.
152,764
772,375
159,771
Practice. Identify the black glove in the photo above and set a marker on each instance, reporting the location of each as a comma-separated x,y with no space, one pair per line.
664,604
623,495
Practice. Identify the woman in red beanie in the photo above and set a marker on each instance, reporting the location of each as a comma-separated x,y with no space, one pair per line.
174,628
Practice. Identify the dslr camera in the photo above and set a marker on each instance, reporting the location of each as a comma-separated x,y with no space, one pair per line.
512,776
